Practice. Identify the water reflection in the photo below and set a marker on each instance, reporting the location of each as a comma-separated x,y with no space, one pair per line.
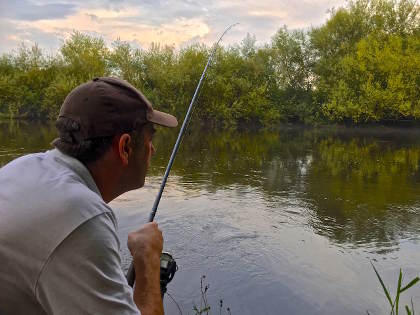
365,190
357,187
22,137
361,185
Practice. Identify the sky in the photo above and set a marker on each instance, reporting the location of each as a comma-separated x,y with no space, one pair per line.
181,23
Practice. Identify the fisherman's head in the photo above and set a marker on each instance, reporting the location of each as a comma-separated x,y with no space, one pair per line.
109,114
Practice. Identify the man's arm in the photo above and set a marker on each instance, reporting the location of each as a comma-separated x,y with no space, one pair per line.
146,245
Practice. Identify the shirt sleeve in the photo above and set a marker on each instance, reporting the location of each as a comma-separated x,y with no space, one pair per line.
84,275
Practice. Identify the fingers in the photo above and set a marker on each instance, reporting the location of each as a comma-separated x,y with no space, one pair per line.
147,240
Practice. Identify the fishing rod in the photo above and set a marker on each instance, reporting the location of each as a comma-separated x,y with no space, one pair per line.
168,265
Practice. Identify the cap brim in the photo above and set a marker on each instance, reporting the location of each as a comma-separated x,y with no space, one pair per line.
162,119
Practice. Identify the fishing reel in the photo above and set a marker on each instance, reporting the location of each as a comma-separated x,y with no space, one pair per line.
168,267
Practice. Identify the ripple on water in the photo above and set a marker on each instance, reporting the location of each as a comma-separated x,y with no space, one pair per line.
226,236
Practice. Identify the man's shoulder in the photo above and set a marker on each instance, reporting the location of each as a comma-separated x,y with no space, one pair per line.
22,161
52,181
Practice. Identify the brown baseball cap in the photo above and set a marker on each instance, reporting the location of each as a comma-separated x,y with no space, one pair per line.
107,104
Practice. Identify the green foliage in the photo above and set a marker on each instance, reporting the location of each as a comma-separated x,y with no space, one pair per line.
362,65
55,93
379,82
292,63
85,57
394,304
367,62
23,80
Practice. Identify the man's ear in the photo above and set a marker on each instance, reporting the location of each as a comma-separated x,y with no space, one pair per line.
123,148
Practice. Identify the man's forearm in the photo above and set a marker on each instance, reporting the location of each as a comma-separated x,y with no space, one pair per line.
147,294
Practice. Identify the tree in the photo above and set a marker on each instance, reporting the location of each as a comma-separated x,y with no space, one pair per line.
367,61
292,63
85,57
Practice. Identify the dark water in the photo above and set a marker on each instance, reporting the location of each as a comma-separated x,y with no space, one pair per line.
282,222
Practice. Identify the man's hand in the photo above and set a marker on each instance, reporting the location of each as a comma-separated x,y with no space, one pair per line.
147,240
146,246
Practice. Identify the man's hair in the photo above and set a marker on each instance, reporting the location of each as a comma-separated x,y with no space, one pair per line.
71,141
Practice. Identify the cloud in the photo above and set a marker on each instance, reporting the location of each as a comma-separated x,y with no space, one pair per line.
28,11
161,21
12,35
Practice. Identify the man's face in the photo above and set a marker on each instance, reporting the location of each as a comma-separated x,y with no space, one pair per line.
141,157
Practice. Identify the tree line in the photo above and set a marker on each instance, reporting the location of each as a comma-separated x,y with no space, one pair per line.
361,66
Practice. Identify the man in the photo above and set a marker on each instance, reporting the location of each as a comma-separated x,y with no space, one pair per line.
59,249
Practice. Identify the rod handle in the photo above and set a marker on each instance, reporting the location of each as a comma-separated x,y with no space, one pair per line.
131,275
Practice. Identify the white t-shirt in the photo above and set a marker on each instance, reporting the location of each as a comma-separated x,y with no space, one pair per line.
59,250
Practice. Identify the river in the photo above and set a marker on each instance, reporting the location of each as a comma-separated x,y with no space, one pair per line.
279,222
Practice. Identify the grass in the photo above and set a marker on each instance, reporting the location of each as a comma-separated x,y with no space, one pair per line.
394,303
204,307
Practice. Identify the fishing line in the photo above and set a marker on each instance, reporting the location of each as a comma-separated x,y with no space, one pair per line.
176,303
